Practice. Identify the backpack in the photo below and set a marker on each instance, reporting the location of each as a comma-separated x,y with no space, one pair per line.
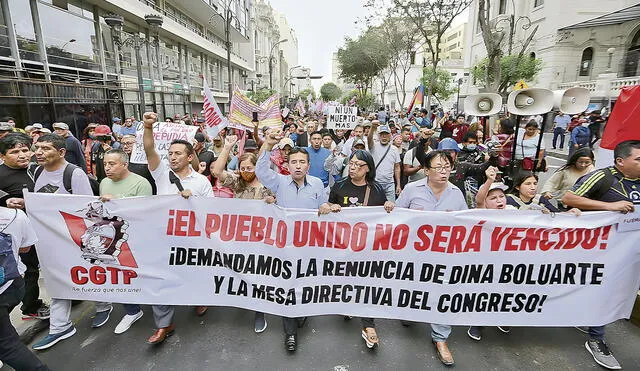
582,135
8,264
66,179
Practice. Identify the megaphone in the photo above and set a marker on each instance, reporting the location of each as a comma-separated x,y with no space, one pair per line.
532,101
483,104
571,101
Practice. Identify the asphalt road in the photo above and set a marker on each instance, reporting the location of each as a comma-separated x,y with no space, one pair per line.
224,340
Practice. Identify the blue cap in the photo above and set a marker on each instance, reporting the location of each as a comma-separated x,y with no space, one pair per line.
384,129
116,119
448,144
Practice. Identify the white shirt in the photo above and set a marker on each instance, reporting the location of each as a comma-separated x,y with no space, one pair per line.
196,182
527,147
411,160
386,167
22,235
346,148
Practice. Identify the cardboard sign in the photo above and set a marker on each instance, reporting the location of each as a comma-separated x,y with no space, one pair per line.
342,117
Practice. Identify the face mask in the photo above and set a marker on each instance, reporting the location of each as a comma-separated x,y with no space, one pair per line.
248,176
472,147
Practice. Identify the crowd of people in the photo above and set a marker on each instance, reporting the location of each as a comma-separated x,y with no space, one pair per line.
441,162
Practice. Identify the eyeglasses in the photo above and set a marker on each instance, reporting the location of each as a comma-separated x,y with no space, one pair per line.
441,169
357,165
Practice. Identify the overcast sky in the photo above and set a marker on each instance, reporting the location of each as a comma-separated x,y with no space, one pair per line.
320,27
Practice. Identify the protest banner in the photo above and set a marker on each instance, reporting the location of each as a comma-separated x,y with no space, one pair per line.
163,134
476,267
342,117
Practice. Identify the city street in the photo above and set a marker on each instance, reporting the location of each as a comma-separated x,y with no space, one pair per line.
224,340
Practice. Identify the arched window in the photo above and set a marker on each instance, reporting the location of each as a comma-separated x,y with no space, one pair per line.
631,62
586,62
532,55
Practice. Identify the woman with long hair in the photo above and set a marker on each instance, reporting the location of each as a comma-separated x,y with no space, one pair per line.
527,153
579,164
359,189
245,185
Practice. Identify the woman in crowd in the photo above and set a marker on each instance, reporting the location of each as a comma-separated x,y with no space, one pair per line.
526,147
579,164
87,143
359,189
525,195
246,186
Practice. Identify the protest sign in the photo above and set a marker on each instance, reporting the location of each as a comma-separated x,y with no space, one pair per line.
342,117
163,134
476,267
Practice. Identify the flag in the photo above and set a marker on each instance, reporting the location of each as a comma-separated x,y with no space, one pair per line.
300,107
242,109
309,98
213,119
352,101
418,98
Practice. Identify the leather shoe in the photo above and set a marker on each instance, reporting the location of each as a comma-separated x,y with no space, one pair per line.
444,353
291,342
201,310
161,334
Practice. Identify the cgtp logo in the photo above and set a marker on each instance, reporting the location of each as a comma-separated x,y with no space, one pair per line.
102,240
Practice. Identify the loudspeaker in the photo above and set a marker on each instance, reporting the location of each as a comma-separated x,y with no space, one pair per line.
571,101
532,101
483,104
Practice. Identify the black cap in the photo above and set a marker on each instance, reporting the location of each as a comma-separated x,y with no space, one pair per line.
199,137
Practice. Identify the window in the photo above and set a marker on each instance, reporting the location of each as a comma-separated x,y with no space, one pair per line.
413,57
537,3
502,9
532,55
586,61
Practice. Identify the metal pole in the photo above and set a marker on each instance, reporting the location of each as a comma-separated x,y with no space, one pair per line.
136,46
227,32
271,72
458,98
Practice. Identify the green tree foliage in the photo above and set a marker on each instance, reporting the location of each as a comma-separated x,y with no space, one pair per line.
260,95
364,58
304,93
513,68
330,91
363,101
443,87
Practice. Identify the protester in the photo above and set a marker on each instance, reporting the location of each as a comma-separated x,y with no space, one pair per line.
122,183
525,195
435,193
75,154
411,164
174,177
614,188
103,143
18,237
359,189
50,178
459,128
317,155
205,157
304,139
595,122
387,162
578,165
87,141
327,140
128,142
16,174
560,126
357,133
527,152
279,156
579,137
298,190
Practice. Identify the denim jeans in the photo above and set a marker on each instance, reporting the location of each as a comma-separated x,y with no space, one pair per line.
596,333
559,132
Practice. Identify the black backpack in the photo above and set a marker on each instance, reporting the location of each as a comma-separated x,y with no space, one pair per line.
66,179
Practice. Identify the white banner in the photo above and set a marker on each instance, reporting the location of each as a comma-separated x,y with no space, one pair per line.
163,133
342,117
481,267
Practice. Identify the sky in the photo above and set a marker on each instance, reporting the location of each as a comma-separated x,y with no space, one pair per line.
320,27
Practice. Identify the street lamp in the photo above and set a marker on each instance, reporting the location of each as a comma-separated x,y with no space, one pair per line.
458,99
227,17
271,58
65,44
116,22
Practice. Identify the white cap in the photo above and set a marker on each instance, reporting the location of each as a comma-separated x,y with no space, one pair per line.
498,185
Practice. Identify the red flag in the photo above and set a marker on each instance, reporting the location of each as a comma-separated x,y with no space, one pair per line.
214,121
622,124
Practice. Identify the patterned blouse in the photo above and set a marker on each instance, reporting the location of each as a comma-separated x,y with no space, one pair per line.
249,193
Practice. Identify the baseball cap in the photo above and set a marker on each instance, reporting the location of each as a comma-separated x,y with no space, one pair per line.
37,126
366,123
45,131
60,125
384,129
359,142
5,126
116,119
199,137
102,130
448,144
498,185
285,142
250,144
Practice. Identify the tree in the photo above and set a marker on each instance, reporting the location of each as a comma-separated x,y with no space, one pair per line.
442,89
513,68
260,95
362,59
363,101
330,92
304,93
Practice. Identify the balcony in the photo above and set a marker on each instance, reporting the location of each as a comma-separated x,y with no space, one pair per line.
605,86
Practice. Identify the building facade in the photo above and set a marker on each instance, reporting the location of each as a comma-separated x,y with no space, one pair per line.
59,60
576,49
266,37
453,43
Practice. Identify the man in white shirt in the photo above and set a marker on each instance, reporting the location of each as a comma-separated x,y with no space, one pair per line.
16,236
387,162
176,177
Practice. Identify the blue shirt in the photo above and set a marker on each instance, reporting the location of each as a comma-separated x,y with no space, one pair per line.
288,194
419,196
562,121
316,159
130,130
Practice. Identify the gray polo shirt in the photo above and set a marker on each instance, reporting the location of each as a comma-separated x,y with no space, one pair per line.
419,196
384,172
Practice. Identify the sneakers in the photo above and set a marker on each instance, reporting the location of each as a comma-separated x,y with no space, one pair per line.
291,343
370,337
101,318
475,333
126,322
505,329
52,339
260,323
601,354
42,313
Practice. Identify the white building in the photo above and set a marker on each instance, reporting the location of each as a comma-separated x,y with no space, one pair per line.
289,52
266,36
575,41
453,43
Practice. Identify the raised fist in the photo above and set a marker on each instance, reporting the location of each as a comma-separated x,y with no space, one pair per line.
149,119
